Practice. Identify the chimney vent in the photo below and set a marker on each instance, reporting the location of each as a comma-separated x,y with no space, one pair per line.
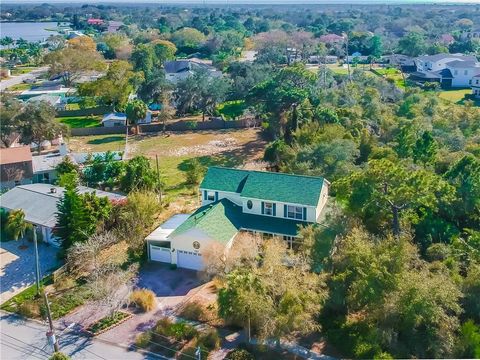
53,190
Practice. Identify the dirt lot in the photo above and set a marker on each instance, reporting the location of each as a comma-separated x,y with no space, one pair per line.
233,147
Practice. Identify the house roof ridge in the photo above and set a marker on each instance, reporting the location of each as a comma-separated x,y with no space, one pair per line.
268,172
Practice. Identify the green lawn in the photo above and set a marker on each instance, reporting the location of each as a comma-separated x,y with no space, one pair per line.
97,143
337,69
454,95
23,70
81,121
391,74
28,304
20,87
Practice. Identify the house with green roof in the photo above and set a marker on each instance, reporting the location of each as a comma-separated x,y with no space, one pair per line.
234,200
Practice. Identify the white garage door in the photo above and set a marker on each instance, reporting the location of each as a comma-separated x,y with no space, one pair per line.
158,253
189,260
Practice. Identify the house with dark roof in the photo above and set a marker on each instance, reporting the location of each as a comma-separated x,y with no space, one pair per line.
450,70
177,70
234,200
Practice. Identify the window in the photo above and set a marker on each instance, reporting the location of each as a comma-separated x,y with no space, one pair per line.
289,240
295,212
268,209
249,204
211,196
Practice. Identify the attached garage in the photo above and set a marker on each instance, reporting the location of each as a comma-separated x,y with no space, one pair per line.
189,260
162,254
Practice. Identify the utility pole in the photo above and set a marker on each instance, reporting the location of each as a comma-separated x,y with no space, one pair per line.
51,333
348,62
37,265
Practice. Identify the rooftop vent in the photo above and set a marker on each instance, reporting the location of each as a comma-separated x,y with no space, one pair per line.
53,190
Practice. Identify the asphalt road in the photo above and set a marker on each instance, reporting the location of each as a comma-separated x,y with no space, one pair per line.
25,339
14,80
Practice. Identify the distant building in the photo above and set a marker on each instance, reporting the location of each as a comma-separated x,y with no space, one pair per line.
178,70
114,119
15,166
471,34
329,59
95,22
55,100
113,26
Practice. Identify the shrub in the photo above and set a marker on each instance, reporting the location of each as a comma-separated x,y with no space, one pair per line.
194,172
143,340
239,354
192,311
182,331
64,282
162,326
59,356
144,299
29,309
209,339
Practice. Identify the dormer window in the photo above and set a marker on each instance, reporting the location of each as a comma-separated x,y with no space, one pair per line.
210,195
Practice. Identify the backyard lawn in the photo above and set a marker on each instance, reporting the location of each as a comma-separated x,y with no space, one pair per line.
455,96
391,74
23,70
80,121
20,87
175,150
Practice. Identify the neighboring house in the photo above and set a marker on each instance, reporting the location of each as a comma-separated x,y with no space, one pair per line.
15,166
404,62
113,26
46,88
19,166
39,203
55,100
95,22
475,84
450,70
178,70
114,119
471,34
329,59
233,200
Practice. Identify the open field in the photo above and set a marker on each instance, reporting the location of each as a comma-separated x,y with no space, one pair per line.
175,150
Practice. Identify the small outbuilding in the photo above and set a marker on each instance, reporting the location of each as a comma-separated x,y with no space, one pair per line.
114,119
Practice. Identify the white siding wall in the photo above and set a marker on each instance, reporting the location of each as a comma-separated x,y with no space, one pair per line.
460,79
233,197
257,209
323,198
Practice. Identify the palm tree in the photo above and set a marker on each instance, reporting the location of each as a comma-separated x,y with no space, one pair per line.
16,225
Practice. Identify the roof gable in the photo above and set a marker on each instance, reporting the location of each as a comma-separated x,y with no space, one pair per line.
282,187
15,155
218,220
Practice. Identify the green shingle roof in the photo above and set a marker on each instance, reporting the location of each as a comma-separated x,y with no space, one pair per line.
288,188
223,219
217,220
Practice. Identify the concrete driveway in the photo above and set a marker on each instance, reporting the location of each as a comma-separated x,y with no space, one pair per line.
17,270
165,282
18,79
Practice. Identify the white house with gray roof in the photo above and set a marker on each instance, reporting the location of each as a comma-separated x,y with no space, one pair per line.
450,70
39,203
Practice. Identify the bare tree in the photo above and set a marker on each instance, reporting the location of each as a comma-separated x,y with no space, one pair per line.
219,261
